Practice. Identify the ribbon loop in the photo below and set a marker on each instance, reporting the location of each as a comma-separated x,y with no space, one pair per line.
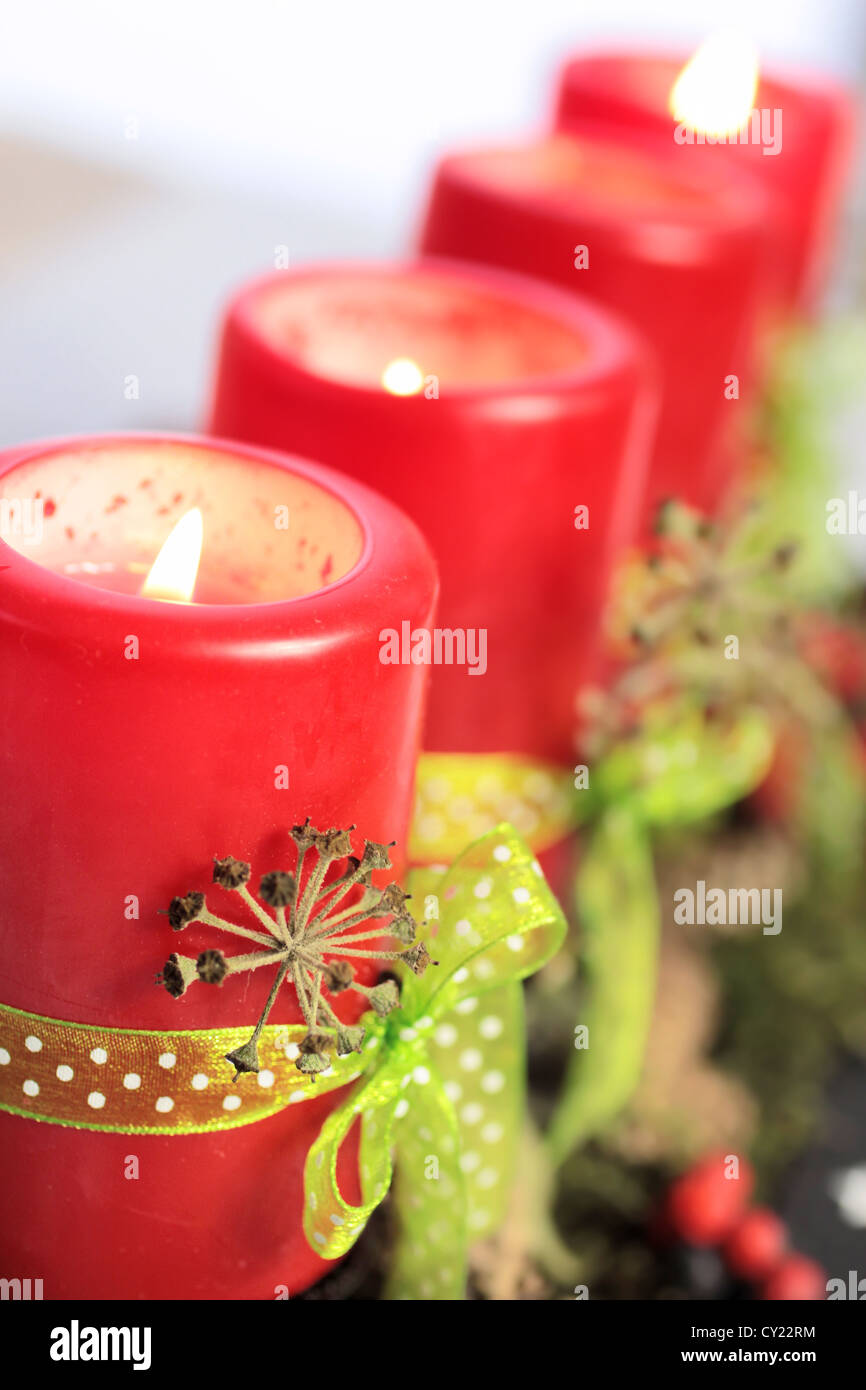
447,1092
497,921
332,1224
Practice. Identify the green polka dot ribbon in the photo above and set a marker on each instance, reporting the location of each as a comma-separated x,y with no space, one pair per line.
443,1092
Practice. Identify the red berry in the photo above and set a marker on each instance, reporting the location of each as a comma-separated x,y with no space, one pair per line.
757,1245
796,1278
837,654
704,1205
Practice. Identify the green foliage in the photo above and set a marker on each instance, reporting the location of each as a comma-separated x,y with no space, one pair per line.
817,374
683,768
791,1008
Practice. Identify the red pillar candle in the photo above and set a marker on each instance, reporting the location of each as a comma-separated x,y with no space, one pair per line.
680,256
123,778
794,140
490,408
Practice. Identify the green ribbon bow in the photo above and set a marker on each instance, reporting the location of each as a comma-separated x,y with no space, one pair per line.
444,1083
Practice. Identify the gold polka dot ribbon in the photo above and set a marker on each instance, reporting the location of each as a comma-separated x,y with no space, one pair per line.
460,796
444,1092
133,1081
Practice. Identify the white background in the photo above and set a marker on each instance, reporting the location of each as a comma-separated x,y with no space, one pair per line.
261,123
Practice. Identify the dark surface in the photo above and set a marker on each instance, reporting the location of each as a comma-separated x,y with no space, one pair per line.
806,1201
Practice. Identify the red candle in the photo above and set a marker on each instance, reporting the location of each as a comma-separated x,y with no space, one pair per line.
491,409
794,138
260,702
680,256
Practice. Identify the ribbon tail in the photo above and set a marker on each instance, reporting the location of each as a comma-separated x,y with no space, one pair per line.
619,913
429,1260
481,1054
332,1224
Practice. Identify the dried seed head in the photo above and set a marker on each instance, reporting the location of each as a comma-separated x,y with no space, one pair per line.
230,873
314,1053
403,927
394,897
383,998
212,967
350,1040
333,844
305,835
277,889
301,939
337,976
783,556
245,1058
177,974
418,958
181,911
312,1062
376,855
315,1042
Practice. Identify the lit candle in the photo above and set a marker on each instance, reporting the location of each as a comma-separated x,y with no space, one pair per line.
680,256
141,738
792,133
509,421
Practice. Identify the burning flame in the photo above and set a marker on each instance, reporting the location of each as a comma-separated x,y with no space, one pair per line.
173,572
715,92
402,377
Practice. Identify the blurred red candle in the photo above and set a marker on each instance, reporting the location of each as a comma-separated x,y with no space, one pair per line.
680,256
491,409
791,133
127,776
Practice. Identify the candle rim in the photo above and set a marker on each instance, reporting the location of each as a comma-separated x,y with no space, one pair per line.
239,619
785,80
733,206
613,343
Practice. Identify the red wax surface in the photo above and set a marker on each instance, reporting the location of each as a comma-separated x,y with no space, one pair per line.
804,181
127,777
544,404
679,255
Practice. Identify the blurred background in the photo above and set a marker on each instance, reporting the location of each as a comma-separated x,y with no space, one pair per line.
152,155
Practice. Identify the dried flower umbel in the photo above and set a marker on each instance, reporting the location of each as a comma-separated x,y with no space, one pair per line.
307,926
701,581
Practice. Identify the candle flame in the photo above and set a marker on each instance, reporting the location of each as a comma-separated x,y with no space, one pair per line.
402,377
173,573
715,92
